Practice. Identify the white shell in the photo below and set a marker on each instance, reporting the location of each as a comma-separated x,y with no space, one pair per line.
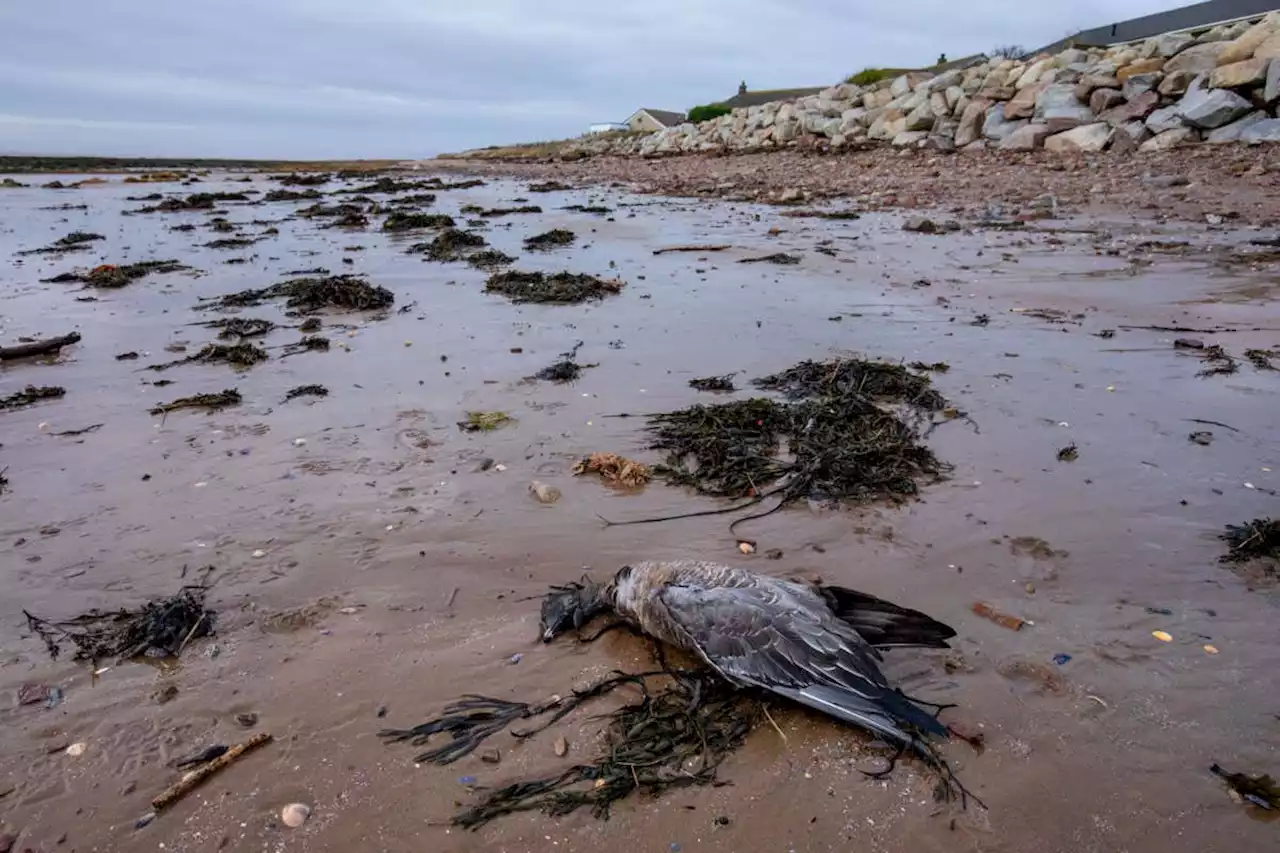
295,815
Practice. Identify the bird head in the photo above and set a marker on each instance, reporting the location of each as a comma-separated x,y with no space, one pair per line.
572,605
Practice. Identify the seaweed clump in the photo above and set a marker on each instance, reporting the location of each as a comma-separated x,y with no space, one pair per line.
450,244
195,201
485,421
310,294
30,395
713,383
220,400
160,628
549,240
1254,540
562,288
495,212
489,259
240,327
292,195
306,391
387,184
408,221
674,738
842,443
76,241
118,275
236,355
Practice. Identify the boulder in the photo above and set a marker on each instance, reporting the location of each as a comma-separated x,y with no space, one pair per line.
1267,130
1089,82
1171,44
996,127
1090,137
909,138
997,93
1023,104
970,127
1232,132
1137,109
1243,47
1210,108
1197,58
1269,49
1169,139
953,95
1032,75
921,118
938,104
1057,107
1176,83
1271,93
900,86
1142,66
1025,138
1238,74
1165,118
945,80
1129,136
1139,83
1104,99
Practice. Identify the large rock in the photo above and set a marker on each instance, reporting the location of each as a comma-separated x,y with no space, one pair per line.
1243,47
996,127
1032,75
921,118
1267,130
1139,83
945,80
1171,44
1271,93
1137,109
1089,82
1025,138
1090,137
1165,118
1176,83
1104,99
938,104
1129,136
970,127
1197,58
1269,49
1169,139
1238,74
1210,108
1057,107
1232,132
953,96
997,93
1023,104
910,138
900,86
1142,66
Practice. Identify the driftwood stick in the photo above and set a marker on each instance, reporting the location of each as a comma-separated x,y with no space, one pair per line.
666,249
38,347
192,780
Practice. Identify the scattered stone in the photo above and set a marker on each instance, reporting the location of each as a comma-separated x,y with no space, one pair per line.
544,493
561,747
165,694
1090,137
246,720
295,815
924,225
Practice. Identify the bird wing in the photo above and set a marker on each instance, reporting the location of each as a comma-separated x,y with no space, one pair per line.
762,635
884,624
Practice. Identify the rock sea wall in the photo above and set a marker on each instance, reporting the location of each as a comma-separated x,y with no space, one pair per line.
1220,86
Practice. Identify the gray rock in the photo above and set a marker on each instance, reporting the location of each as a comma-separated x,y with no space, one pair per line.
1165,118
1139,108
1089,82
544,493
1210,108
1197,58
1139,83
953,96
1104,99
1090,137
971,122
996,127
944,80
900,86
1271,93
1058,107
1238,75
1025,138
1169,139
910,138
1232,132
1129,136
1176,83
1171,44
1267,130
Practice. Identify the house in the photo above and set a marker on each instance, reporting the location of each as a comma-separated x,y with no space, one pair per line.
765,96
648,120
1198,16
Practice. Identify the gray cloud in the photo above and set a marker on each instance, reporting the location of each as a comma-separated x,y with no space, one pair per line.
412,78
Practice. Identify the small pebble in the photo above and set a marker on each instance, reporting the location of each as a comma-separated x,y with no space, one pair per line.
1210,650
298,442
382,711
516,658
144,820
295,815
259,553
561,747
746,547
77,749
491,756
1162,636
246,720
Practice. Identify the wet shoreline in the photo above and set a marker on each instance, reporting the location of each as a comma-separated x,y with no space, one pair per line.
394,562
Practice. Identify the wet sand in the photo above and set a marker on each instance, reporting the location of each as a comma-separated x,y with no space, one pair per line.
396,572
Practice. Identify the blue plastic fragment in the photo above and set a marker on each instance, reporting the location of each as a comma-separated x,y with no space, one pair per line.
1060,658
466,780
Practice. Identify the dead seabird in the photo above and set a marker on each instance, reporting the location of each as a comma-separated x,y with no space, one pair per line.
811,643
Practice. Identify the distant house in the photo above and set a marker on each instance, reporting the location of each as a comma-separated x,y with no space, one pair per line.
645,119
607,127
765,96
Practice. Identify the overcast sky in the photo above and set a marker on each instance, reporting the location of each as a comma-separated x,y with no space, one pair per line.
412,78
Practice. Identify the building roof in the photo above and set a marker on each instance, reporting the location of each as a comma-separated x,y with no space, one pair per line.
667,118
1196,16
766,96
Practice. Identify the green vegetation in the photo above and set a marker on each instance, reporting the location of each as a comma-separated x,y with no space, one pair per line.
706,112
868,76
